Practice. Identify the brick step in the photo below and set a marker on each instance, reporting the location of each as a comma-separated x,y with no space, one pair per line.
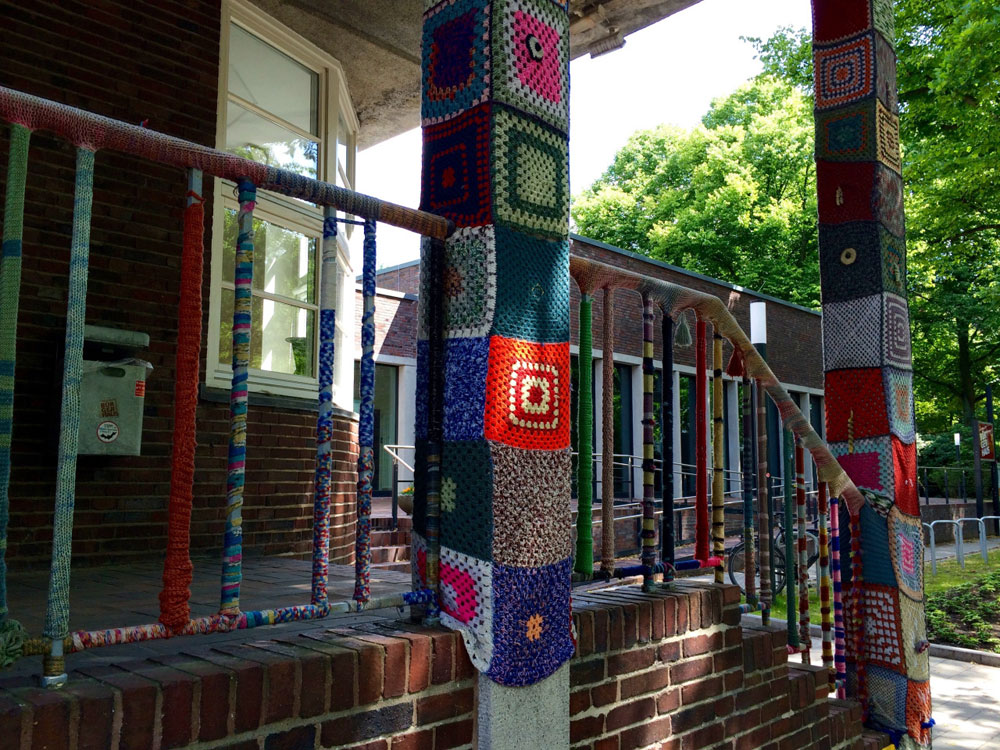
396,553
384,523
389,538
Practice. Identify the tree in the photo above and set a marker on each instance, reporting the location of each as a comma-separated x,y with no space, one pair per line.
733,198
949,90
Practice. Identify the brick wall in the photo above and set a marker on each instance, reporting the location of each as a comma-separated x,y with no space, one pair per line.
395,323
134,62
404,278
672,670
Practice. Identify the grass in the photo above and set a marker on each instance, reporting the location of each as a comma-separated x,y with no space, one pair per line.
963,606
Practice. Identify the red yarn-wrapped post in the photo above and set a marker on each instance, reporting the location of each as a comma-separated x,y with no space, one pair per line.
701,444
175,612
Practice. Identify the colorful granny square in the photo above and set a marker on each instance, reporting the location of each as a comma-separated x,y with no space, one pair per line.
466,363
918,666
883,20
531,500
834,22
885,74
850,261
887,698
855,405
467,601
528,385
846,134
531,59
846,72
906,545
887,133
883,633
421,406
875,553
868,462
470,282
852,333
904,462
532,287
531,622
467,498
918,711
897,331
456,168
887,200
893,262
530,176
844,191
456,61
899,391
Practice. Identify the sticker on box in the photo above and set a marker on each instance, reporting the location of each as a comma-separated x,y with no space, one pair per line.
107,432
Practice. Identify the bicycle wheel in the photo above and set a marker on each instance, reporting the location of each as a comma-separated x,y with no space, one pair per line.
735,563
778,564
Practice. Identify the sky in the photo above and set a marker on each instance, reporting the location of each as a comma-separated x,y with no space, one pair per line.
667,73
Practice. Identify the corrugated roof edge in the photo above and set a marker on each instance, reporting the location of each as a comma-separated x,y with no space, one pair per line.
692,274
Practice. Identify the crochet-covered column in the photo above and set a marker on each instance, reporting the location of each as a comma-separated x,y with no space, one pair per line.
495,116
866,335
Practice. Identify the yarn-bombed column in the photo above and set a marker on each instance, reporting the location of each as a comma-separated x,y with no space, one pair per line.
667,433
495,116
700,445
57,610
366,423
648,557
324,421
802,542
839,632
750,543
866,335
608,434
232,555
10,293
584,562
178,570
718,466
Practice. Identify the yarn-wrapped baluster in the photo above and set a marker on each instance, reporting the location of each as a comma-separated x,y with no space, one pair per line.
584,562
667,433
648,468
701,445
803,551
718,465
366,423
823,508
608,435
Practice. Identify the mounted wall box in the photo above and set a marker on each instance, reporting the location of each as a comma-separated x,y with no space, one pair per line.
112,392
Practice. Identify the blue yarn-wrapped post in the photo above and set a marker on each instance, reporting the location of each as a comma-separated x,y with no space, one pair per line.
324,422
10,290
232,556
667,433
366,423
648,536
57,611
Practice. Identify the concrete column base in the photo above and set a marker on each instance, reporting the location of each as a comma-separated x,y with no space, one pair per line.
525,718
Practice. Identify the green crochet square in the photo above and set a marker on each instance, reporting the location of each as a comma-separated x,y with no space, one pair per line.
893,251
884,21
530,175
467,498
532,287
470,282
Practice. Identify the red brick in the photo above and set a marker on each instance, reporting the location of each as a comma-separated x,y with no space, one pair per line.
586,672
668,701
376,745
443,658
604,694
584,633
369,666
730,595
630,624
178,700
724,706
631,661
631,713
669,652
314,675
414,740
602,631
702,644
585,728
249,700
690,670
463,664
687,719
452,735
138,702
608,743
367,724
616,629
50,711
647,682
214,681
95,706
731,658
701,738
649,733
394,682
450,705
579,701
695,692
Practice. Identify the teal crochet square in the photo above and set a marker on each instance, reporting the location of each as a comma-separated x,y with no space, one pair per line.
467,498
532,287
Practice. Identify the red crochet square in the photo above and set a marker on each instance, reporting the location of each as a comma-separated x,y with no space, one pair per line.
844,191
904,464
918,710
855,405
527,394
835,21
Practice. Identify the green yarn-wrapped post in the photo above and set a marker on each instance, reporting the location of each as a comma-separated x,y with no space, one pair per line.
584,562
57,611
10,290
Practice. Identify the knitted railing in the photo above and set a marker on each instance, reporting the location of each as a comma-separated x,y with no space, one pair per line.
90,133
748,366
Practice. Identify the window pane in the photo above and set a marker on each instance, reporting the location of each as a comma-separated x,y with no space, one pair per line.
343,143
282,338
269,79
284,260
253,137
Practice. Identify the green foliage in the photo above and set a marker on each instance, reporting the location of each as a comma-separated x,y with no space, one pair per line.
733,198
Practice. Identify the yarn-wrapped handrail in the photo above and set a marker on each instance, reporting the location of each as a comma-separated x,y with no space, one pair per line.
97,133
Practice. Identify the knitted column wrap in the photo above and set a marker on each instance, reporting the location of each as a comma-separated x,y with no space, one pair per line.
803,551
823,508
648,466
10,292
701,445
584,562
840,635
718,465
232,555
57,610
177,567
763,505
667,431
366,423
323,483
608,435
791,584
749,542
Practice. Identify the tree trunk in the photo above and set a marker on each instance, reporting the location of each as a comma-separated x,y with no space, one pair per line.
967,388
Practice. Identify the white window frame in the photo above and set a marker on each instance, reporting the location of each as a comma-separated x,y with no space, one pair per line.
334,105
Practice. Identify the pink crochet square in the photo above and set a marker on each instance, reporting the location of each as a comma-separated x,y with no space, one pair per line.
537,49
863,468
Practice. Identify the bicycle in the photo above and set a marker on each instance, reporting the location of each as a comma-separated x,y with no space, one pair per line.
736,557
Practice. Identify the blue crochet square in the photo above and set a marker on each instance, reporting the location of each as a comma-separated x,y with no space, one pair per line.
420,408
531,622
466,364
456,59
874,550
532,287
887,693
